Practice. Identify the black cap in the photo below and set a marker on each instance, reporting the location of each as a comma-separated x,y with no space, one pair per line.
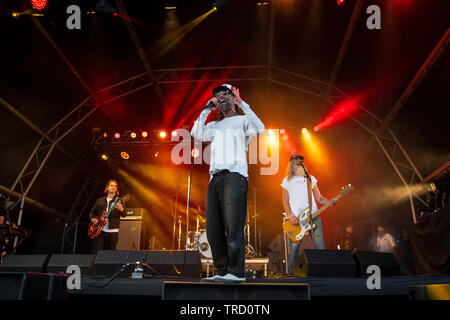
296,156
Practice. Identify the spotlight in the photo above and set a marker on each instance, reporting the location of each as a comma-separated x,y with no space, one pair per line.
174,133
117,135
282,131
156,154
125,155
195,153
340,2
105,135
104,157
39,4
144,134
305,131
133,135
162,134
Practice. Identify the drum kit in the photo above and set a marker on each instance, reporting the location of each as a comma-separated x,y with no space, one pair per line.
197,239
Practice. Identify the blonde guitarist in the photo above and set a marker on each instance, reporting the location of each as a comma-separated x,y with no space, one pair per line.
296,199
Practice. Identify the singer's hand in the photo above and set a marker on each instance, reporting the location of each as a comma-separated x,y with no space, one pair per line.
237,97
215,101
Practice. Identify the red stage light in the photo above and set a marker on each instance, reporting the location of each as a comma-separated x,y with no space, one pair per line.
162,134
125,155
156,154
339,113
117,135
133,135
39,4
144,134
339,2
174,133
105,135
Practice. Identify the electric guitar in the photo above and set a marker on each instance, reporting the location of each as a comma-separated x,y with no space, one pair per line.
95,228
296,233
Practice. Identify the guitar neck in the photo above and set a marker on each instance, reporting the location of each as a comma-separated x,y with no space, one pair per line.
324,207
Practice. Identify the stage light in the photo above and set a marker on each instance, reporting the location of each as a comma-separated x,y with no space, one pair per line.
104,157
125,155
340,2
15,14
282,131
271,140
265,3
306,134
133,135
39,4
162,134
117,135
156,154
144,134
105,135
174,133
195,152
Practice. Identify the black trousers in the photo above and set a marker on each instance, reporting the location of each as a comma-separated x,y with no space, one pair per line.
226,210
105,241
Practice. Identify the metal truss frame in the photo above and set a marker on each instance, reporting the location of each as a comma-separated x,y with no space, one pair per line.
70,233
267,73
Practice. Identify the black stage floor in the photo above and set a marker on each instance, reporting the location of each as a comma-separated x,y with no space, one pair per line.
318,288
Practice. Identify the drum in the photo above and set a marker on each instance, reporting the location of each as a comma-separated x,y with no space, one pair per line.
203,246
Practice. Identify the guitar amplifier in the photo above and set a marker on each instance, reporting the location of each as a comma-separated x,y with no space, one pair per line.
134,213
132,230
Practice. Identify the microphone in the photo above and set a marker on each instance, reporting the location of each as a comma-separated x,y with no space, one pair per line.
209,105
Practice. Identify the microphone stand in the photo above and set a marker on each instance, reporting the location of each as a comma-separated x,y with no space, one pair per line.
309,202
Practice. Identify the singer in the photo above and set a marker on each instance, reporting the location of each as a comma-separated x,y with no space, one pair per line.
295,200
226,200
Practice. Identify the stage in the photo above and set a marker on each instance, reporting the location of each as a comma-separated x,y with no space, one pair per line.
319,288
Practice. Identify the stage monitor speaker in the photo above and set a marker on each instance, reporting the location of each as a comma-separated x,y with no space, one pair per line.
32,286
325,263
182,290
108,262
387,262
174,263
130,232
58,263
25,263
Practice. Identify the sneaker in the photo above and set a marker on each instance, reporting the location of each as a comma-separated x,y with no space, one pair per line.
230,277
212,279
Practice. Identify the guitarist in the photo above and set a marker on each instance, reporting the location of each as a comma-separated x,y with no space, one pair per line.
295,200
107,239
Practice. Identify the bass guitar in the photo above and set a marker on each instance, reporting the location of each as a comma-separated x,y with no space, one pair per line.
297,232
95,228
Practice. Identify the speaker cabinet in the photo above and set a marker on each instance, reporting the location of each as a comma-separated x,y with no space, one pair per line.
24,263
174,263
325,263
108,262
32,286
130,233
173,290
387,262
58,263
